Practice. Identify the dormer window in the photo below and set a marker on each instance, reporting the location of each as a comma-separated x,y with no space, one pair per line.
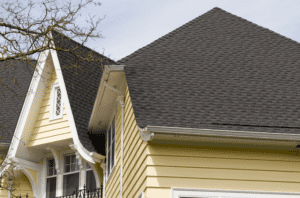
56,103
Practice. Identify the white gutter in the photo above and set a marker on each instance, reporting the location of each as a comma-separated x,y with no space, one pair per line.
150,133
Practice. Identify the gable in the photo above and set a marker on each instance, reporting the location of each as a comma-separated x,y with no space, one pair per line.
46,131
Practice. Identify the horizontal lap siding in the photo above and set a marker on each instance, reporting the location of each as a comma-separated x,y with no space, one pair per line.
134,156
46,131
228,169
112,187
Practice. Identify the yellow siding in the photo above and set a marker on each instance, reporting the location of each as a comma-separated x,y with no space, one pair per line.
156,168
46,131
210,168
3,193
134,157
21,186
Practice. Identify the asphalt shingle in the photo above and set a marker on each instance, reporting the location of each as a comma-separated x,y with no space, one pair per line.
218,71
16,77
81,84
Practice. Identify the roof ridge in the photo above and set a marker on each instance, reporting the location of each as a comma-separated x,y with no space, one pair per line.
170,34
261,27
82,45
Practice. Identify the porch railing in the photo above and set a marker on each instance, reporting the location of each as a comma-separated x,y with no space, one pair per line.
24,196
84,193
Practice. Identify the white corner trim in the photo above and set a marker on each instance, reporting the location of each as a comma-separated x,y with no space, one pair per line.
34,84
52,115
148,133
26,164
216,193
56,158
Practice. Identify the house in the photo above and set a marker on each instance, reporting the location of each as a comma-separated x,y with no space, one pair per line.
209,110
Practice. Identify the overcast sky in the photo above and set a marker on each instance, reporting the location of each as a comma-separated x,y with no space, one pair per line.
132,24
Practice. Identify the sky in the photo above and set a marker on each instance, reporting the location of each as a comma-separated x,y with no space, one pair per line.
131,24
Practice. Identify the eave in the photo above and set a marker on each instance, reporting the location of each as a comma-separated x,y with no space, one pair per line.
162,134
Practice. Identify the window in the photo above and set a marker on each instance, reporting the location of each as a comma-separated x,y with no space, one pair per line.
71,175
51,179
56,103
90,178
111,144
206,193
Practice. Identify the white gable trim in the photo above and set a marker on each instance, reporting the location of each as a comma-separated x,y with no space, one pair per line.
91,157
39,75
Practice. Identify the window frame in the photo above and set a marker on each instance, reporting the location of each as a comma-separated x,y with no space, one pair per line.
51,176
110,170
211,193
53,102
70,172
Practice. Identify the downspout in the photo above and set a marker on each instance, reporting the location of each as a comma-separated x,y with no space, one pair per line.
121,100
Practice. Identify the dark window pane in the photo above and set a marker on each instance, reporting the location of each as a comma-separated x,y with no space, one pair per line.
67,159
51,167
113,126
90,180
88,166
109,137
71,182
113,154
108,162
73,167
67,168
51,187
73,159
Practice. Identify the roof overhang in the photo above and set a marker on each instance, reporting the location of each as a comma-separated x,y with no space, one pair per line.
161,134
111,86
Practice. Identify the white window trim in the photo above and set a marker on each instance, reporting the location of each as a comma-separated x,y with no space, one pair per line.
59,186
109,174
52,115
210,193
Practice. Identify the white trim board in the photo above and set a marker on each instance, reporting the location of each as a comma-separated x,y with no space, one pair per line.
214,193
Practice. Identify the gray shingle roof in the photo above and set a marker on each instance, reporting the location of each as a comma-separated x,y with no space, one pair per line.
218,71
81,84
17,76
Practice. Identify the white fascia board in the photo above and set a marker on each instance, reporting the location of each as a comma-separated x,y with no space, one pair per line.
103,83
34,84
148,133
88,156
